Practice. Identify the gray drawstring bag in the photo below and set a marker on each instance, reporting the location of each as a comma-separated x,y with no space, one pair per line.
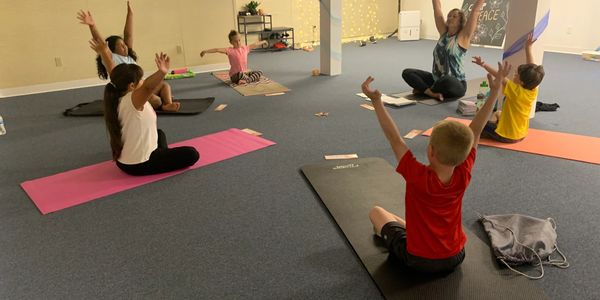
519,239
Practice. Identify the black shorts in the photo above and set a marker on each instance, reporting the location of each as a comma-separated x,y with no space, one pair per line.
489,132
394,236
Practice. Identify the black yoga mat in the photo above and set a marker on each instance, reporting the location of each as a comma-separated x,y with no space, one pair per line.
350,188
188,107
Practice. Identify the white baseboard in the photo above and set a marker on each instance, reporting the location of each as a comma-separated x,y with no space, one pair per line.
81,83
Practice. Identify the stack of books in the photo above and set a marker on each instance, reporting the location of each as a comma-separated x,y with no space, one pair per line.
466,108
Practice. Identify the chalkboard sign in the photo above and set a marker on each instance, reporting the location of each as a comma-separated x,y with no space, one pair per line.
491,27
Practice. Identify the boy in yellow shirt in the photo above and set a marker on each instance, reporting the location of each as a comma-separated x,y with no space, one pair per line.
510,125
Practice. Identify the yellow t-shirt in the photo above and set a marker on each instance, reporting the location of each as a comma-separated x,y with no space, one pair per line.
514,119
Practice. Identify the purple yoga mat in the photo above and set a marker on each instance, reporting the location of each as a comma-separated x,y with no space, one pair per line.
63,190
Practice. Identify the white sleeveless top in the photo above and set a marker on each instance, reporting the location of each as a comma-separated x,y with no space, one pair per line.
120,59
138,131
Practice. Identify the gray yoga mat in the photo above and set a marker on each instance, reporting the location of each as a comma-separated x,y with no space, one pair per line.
350,188
95,108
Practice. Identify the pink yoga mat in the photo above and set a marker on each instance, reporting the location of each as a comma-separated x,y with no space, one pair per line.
549,143
78,186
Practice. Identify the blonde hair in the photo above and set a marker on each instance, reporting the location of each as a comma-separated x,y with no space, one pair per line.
451,142
463,18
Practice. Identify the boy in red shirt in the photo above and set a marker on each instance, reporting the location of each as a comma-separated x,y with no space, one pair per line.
431,240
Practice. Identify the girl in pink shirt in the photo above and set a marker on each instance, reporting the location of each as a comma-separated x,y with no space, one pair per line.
238,59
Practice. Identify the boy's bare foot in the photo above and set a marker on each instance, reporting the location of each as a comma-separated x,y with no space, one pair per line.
242,81
434,95
171,106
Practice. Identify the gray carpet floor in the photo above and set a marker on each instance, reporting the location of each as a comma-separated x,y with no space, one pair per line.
251,227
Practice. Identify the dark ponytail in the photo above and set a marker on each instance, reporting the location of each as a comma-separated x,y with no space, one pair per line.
121,77
112,42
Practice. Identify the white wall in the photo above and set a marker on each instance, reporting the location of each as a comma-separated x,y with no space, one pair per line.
574,25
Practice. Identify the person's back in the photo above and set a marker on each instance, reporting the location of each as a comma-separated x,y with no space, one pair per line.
431,240
521,92
510,125
433,208
139,131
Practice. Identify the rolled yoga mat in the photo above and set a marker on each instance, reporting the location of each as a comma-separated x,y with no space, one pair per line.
70,188
264,86
350,188
549,143
95,108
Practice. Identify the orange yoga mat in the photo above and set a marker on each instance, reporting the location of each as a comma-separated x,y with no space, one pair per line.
549,143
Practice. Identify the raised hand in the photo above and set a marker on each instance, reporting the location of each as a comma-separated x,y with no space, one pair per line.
129,9
98,45
163,62
478,61
374,95
202,53
85,18
530,40
503,71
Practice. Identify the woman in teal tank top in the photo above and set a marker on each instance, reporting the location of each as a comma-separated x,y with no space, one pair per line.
447,79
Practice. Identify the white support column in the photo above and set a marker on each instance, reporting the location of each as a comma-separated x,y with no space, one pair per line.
522,19
331,37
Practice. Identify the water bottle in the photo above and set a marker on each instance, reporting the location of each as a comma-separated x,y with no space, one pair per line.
2,128
484,92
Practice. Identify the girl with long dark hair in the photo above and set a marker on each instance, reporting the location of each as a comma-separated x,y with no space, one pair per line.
138,146
122,52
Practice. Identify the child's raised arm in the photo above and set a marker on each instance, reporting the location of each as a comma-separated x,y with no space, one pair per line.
258,44
141,95
101,48
86,19
478,61
485,111
528,49
213,50
385,121
128,30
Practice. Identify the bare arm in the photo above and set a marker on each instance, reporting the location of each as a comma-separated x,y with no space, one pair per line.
141,95
440,23
128,31
101,48
485,111
466,34
478,61
86,19
528,49
214,50
385,121
258,44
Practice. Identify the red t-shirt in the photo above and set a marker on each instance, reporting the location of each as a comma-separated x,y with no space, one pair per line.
433,209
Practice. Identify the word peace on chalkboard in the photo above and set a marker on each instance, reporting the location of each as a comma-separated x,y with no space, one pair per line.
491,27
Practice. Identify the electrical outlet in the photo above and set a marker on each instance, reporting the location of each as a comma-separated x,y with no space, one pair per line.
179,49
569,30
58,61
